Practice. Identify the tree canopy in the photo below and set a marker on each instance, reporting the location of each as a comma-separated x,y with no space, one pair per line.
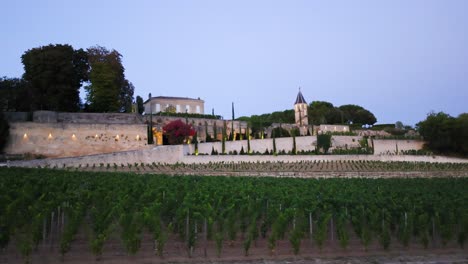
319,112
54,74
444,133
14,95
108,91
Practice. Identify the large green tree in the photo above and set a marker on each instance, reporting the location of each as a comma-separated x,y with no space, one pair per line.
357,114
444,133
54,74
108,90
126,97
321,112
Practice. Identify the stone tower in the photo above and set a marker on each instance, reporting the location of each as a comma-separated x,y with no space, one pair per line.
300,110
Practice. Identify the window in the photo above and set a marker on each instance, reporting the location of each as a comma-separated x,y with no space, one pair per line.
187,108
177,108
157,108
198,109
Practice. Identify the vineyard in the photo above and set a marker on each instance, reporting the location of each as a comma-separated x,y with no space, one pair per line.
334,168
206,217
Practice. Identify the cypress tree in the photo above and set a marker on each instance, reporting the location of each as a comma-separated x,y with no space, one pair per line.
223,145
233,135
195,142
274,146
294,150
248,139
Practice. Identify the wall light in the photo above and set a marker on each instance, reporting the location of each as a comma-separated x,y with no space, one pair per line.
73,137
138,137
117,138
25,136
96,136
50,136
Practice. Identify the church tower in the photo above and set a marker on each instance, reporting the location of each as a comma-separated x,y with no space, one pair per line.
300,110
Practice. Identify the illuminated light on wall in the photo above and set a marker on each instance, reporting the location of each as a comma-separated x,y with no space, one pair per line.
138,137
50,136
73,137
25,136
117,138
96,136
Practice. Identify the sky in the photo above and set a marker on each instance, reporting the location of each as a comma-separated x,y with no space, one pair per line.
399,59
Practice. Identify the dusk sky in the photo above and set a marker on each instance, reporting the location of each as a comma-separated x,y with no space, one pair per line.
398,59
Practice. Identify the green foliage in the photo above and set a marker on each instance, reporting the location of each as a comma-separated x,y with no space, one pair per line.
258,122
109,91
4,131
195,143
445,134
324,142
223,140
357,114
150,135
14,95
274,146
375,208
294,148
320,112
140,106
279,132
249,151
54,74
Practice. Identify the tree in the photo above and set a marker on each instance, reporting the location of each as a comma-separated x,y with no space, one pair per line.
140,106
324,142
55,74
318,112
444,133
178,132
233,134
436,131
357,115
14,95
399,125
460,134
280,132
4,131
126,97
109,91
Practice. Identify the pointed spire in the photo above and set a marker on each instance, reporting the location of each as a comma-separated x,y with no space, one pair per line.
300,98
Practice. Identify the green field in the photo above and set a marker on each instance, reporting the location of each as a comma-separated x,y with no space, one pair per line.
37,202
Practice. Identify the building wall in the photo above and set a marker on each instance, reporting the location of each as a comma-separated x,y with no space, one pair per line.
193,106
69,139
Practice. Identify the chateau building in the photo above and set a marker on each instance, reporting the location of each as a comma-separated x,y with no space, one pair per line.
174,105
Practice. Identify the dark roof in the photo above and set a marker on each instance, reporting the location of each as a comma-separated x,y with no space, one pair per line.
300,99
173,98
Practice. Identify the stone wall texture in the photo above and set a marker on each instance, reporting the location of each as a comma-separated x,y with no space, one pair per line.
393,146
69,139
176,154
